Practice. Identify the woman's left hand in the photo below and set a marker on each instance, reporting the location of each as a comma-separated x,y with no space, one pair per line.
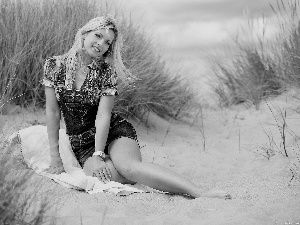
96,167
56,166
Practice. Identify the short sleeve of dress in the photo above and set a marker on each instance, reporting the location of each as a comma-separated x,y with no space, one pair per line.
50,68
109,83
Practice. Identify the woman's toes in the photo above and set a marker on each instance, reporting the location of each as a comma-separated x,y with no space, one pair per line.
228,196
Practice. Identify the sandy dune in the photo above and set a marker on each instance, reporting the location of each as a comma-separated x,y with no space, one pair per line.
235,158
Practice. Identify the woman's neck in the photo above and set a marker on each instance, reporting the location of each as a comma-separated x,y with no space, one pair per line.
85,58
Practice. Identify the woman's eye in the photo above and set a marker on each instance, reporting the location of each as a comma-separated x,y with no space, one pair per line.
99,35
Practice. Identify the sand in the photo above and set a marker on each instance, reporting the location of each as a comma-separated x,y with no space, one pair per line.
242,152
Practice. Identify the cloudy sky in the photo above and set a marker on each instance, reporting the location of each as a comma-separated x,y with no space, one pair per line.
188,30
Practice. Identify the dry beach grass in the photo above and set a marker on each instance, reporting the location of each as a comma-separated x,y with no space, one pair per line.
35,30
259,67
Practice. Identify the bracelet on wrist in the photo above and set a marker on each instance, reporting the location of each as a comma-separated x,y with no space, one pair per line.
99,153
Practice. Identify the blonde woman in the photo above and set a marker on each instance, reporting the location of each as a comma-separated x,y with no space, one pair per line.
82,85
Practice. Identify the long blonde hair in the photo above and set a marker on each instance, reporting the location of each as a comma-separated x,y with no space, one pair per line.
112,56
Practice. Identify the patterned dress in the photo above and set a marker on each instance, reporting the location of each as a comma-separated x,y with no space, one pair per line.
79,106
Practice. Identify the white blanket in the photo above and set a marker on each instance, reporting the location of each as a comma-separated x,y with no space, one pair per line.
35,149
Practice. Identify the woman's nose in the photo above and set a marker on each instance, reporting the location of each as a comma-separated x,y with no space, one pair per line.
100,42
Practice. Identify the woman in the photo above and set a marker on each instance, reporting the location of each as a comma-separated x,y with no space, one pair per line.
82,85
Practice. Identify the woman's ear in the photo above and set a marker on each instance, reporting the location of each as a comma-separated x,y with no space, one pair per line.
82,44
82,41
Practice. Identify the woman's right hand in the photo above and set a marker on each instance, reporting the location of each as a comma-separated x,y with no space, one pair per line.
96,167
56,166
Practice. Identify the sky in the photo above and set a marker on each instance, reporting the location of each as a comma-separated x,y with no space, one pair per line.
189,30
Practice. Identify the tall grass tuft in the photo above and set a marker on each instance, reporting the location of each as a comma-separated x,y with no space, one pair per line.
157,89
288,14
32,30
249,78
262,67
19,203
17,207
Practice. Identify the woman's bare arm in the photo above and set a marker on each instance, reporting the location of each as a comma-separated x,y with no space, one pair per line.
53,121
102,122
95,166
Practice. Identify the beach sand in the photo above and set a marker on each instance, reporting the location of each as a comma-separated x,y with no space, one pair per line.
237,149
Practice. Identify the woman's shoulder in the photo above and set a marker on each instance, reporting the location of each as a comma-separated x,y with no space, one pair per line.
55,61
54,67
108,70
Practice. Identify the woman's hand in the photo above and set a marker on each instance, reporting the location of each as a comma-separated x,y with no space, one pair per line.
95,166
56,166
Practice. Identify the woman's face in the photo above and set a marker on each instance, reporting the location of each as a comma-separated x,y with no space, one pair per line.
97,42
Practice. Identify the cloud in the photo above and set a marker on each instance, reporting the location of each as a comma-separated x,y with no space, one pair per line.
207,22
192,29
179,10
191,33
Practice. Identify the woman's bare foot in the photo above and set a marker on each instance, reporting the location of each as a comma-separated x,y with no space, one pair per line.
216,193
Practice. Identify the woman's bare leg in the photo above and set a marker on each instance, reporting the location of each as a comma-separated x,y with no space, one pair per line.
126,157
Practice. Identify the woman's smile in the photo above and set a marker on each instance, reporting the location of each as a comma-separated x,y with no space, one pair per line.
96,49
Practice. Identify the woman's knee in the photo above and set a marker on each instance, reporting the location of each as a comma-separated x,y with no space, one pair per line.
129,170
126,156
115,175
